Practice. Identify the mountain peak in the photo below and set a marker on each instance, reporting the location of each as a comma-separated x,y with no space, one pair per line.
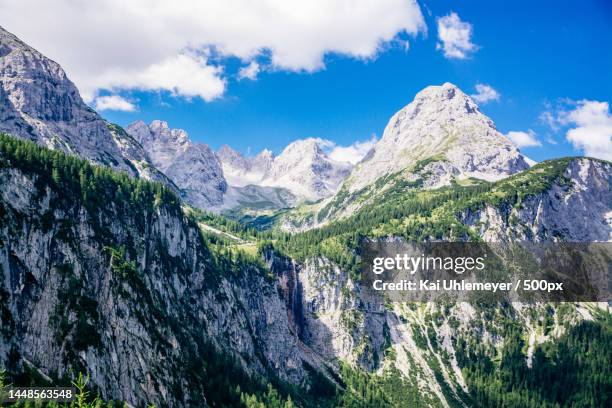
441,122
306,148
161,143
227,149
447,89
161,129
446,98
265,154
234,159
227,152
193,167
39,102
158,125
158,132
303,168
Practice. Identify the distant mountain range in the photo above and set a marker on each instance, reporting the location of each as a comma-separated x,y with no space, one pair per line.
225,180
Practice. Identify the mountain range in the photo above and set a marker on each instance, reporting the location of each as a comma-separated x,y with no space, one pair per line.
42,104
225,179
116,263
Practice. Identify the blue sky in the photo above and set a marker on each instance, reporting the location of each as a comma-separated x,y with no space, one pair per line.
539,56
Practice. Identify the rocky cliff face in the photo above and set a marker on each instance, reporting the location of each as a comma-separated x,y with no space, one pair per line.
577,210
442,124
193,167
39,102
128,292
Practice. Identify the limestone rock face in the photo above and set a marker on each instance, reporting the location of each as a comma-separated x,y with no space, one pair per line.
579,211
193,167
132,304
338,320
441,124
39,102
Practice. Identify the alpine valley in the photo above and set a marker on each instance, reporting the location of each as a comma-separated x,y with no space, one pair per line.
173,275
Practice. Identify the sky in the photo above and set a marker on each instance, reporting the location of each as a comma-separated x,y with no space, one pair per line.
258,74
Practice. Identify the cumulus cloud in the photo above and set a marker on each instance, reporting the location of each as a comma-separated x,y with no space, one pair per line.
485,93
113,102
186,75
352,153
524,139
249,72
118,44
455,37
591,128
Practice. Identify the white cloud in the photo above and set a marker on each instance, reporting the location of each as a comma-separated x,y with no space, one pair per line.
455,37
352,153
249,72
548,118
485,93
113,102
551,140
185,74
118,44
524,139
591,130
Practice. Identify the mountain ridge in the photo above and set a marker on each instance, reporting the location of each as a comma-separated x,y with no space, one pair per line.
39,102
193,167
302,167
226,180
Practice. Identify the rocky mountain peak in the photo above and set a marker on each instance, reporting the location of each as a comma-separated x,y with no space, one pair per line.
444,125
265,153
160,129
228,155
26,66
303,168
441,104
39,102
161,143
446,97
446,91
306,149
227,151
263,160
193,167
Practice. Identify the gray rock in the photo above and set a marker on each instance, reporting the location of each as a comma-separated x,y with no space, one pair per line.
193,167
135,329
39,102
